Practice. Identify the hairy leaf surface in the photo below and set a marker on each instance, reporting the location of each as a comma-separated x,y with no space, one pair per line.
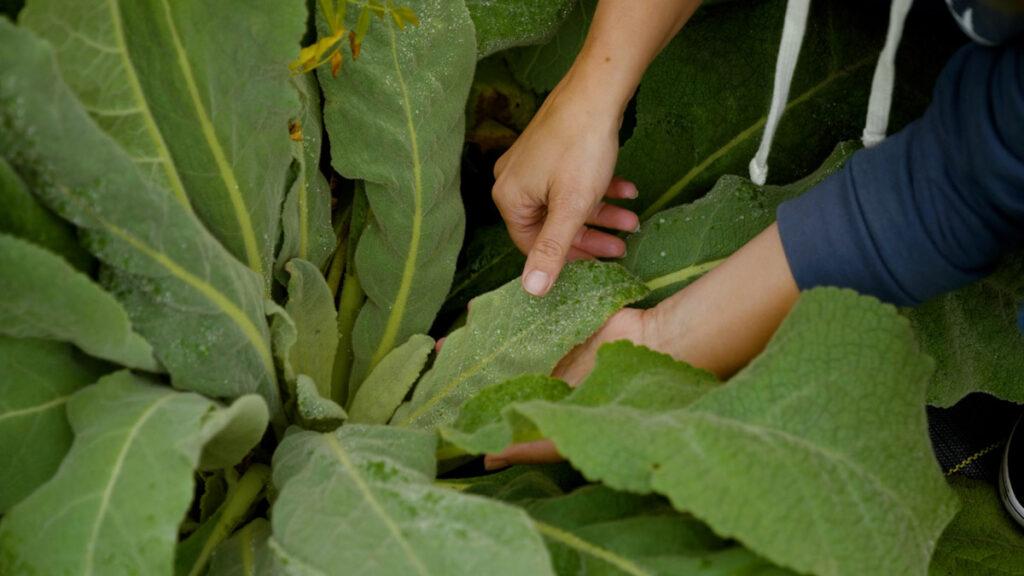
678,245
44,297
541,67
371,487
306,217
396,120
37,380
492,260
982,540
311,307
974,337
316,411
502,24
509,333
390,381
825,429
92,518
200,308
702,104
197,94
23,216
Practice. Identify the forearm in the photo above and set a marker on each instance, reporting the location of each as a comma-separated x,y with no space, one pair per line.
725,318
623,39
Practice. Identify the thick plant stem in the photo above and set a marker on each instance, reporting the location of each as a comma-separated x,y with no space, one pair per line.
352,298
240,498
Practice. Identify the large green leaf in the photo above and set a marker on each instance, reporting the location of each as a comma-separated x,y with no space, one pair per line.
701,106
311,307
371,488
388,384
541,67
974,337
676,246
509,333
44,297
982,540
306,217
396,120
23,216
501,24
36,383
200,308
115,503
197,94
815,456
492,260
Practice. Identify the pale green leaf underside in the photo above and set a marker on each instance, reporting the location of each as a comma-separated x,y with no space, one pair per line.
509,333
502,24
396,121
124,486
678,245
36,382
371,488
386,387
203,114
982,540
200,308
815,456
44,297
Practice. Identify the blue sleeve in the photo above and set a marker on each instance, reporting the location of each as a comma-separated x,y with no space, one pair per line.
932,207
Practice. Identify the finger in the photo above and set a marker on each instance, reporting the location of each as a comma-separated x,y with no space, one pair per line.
599,244
551,247
613,217
579,254
619,188
438,344
538,452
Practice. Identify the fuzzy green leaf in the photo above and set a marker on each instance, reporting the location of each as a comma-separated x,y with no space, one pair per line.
371,487
509,333
311,307
492,260
390,381
974,337
502,24
316,411
197,93
246,553
23,216
541,67
44,297
85,519
200,308
37,380
396,121
826,429
702,103
982,540
306,217
678,245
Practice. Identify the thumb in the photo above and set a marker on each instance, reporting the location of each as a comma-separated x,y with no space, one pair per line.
550,249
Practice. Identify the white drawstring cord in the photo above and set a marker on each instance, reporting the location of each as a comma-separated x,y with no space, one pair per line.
880,101
789,51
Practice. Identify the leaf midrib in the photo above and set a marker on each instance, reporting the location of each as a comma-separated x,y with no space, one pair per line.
371,498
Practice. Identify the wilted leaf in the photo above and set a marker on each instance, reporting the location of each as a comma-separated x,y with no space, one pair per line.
509,333
36,382
23,216
371,487
44,297
306,215
982,540
502,24
541,67
85,519
197,94
386,387
200,308
676,246
396,121
974,337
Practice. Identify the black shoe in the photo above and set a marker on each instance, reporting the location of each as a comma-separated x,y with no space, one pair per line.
1011,476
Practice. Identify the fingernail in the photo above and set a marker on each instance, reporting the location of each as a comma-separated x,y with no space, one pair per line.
494,463
631,192
537,283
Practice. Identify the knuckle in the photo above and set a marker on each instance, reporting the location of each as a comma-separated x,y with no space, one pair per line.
548,248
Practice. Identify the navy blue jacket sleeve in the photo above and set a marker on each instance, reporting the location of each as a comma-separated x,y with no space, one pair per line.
932,207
